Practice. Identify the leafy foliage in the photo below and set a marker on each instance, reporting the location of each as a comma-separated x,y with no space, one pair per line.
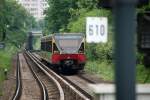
104,52
90,4
14,22
104,69
58,14
79,24
2,17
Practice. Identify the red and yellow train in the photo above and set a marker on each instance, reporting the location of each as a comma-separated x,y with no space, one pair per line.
67,50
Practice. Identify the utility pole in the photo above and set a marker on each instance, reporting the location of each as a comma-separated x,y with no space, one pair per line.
125,29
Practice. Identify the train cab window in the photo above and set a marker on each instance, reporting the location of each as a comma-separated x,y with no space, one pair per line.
55,49
81,50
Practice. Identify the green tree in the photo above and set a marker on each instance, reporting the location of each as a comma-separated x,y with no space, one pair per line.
57,15
2,20
14,22
90,4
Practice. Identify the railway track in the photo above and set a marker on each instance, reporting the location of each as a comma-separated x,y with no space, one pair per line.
36,81
34,84
29,87
71,90
53,88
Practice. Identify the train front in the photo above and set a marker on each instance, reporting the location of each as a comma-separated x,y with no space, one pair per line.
71,53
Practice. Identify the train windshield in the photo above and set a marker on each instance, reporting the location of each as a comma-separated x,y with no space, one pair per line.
68,44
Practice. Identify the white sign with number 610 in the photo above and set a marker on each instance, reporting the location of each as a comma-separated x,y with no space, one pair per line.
96,29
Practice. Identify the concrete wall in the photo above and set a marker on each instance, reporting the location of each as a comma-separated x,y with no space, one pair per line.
107,91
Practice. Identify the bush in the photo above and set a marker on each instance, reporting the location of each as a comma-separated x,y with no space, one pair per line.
103,69
91,51
104,52
78,24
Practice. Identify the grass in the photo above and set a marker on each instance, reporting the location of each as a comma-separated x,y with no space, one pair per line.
5,61
6,55
2,77
106,71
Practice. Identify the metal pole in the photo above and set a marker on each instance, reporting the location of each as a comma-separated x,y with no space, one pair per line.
125,49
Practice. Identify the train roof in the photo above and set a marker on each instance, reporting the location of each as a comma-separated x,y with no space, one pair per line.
57,36
69,36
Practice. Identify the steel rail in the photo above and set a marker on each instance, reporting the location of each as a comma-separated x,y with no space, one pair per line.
61,92
18,90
